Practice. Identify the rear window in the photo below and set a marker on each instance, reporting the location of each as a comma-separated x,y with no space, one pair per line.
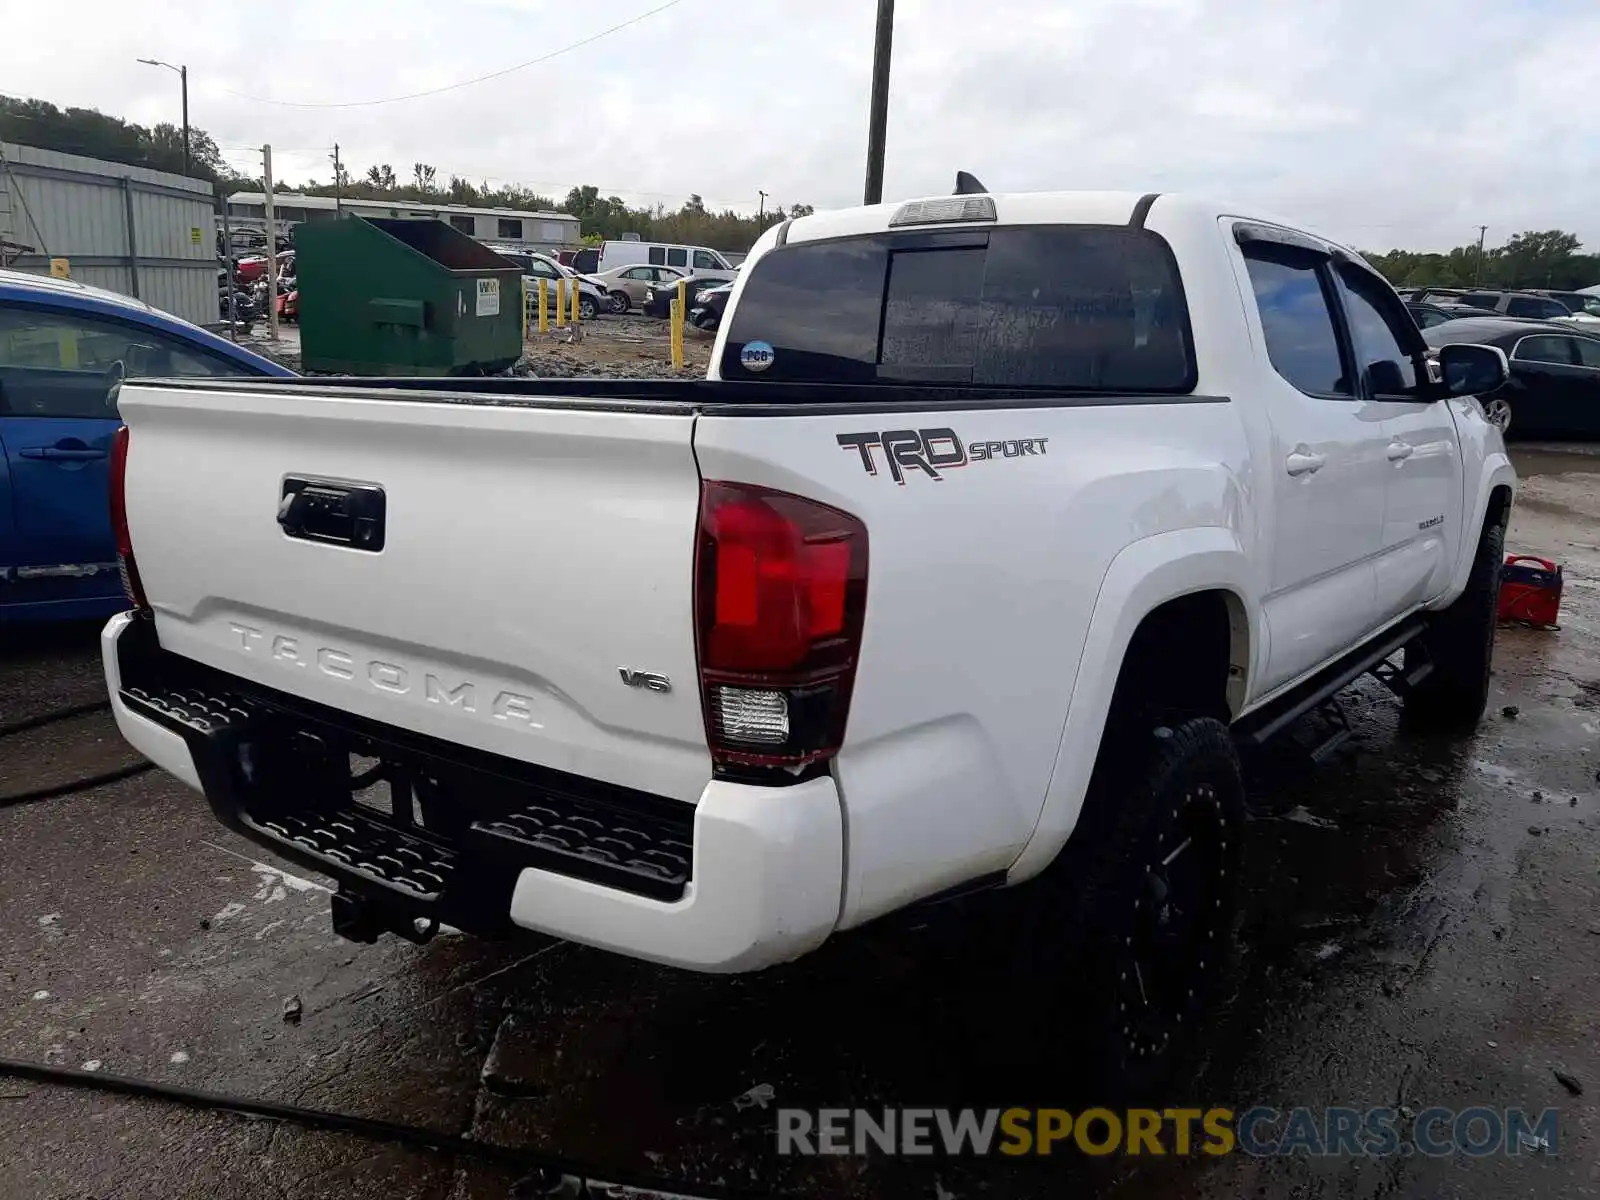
1088,308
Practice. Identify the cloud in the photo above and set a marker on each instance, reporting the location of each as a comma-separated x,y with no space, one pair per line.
1386,122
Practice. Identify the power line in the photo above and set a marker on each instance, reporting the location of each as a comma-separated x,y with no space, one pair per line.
450,87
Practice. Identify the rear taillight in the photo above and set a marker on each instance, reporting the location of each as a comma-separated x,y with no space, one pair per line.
119,520
780,594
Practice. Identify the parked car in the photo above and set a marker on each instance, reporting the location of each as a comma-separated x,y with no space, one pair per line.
253,267
1585,306
1427,315
629,646
593,296
1554,389
658,297
702,260
64,351
705,314
627,286
1518,304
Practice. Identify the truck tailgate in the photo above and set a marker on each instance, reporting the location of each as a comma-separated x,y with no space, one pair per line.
532,595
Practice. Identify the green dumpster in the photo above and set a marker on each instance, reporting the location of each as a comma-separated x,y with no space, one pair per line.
404,297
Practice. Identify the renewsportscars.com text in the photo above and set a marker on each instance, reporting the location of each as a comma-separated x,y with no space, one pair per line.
1259,1132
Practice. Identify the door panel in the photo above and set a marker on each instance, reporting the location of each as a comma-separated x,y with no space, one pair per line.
1422,476
60,501
1326,468
1423,506
1545,375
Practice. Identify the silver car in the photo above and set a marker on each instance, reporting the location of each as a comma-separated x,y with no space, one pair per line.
627,285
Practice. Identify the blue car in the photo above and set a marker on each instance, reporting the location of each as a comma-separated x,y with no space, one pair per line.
64,349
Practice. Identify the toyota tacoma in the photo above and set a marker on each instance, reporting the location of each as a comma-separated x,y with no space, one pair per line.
999,526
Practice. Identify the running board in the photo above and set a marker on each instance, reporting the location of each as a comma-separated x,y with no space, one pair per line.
1262,726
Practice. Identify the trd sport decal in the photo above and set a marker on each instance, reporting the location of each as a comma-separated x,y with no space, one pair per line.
930,451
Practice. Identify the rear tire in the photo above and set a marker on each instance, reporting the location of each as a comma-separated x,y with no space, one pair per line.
1133,929
1460,644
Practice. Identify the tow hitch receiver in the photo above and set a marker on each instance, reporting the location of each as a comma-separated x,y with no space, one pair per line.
356,918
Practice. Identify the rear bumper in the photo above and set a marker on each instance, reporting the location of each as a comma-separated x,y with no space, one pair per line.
748,877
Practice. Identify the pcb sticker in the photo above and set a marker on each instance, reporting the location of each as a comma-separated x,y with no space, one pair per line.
756,357
488,298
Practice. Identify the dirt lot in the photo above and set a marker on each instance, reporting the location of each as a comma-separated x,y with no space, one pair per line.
1422,930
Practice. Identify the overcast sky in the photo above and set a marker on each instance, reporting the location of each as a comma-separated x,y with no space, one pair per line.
1385,122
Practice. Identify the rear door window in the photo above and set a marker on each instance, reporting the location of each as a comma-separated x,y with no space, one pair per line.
1588,352
1561,351
1087,308
658,255
1297,320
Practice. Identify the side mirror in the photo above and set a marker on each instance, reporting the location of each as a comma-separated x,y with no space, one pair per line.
1385,378
1468,369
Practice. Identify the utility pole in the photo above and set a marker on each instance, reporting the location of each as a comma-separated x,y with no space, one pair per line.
227,251
272,245
878,114
183,78
1477,271
338,183
762,215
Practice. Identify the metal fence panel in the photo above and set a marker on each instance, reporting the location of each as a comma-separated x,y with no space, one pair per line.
82,209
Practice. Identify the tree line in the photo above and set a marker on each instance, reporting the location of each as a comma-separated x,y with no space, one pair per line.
1537,259
92,133
1549,258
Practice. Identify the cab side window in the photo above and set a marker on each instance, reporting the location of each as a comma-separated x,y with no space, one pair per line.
1384,351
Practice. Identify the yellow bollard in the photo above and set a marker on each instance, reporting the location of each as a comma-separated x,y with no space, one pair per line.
574,301
561,303
680,309
544,309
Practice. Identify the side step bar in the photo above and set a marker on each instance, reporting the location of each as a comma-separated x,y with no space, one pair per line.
1265,724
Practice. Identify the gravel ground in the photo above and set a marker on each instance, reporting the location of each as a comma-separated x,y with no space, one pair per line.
631,346
1421,929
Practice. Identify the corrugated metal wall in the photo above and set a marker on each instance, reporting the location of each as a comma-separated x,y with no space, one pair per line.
66,206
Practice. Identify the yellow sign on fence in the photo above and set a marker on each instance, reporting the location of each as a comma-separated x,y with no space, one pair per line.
60,268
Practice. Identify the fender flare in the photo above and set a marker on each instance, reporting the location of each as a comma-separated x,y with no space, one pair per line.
1143,576
1497,472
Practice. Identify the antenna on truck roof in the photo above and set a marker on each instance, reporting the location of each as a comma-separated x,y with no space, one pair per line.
967,185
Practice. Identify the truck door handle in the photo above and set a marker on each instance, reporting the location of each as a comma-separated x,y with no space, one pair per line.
1399,451
63,453
1303,462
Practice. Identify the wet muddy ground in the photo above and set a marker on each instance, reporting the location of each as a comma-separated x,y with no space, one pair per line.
1422,929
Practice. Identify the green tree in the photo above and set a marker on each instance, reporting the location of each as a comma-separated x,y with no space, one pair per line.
93,134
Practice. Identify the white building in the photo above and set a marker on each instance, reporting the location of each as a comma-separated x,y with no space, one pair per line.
513,227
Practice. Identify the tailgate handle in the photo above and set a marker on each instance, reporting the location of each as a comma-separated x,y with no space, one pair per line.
335,511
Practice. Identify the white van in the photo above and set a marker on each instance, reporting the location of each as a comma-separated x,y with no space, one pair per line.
701,260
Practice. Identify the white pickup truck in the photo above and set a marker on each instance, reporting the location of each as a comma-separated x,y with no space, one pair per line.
999,523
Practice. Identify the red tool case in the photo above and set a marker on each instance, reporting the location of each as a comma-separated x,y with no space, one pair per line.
1530,591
